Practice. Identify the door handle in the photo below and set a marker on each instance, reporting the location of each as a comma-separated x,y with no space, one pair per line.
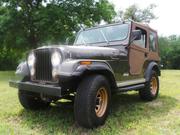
145,54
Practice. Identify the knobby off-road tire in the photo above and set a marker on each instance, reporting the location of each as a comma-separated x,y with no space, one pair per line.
151,90
31,101
92,101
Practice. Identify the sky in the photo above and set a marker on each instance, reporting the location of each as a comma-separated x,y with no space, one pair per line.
167,11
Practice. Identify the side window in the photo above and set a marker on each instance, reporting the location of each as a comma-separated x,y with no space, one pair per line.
142,41
152,41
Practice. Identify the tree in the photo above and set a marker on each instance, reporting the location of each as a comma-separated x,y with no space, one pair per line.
28,23
139,15
169,51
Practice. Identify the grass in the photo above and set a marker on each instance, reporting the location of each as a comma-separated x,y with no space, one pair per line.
129,115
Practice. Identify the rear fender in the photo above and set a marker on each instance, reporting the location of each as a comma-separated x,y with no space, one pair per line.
152,66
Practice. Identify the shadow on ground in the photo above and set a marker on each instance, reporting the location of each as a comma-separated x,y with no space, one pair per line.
61,118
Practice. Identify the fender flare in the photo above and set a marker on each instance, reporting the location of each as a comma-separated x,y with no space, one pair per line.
152,66
102,68
23,69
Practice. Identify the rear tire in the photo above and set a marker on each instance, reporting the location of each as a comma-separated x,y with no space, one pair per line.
92,101
151,90
31,101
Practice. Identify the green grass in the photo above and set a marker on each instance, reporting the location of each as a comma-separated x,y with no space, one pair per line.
129,115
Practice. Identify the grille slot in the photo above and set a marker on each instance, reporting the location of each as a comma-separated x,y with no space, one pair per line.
43,66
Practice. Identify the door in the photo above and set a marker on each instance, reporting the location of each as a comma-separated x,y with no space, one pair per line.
138,53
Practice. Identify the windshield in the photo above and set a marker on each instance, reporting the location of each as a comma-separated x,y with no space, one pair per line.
103,34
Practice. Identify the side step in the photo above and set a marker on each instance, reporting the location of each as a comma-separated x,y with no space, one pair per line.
132,87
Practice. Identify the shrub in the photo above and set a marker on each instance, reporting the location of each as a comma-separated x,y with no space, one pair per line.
9,58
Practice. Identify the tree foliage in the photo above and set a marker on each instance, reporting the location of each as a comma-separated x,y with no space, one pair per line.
28,23
169,51
25,24
134,13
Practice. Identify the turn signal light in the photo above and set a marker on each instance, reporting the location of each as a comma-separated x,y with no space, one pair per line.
85,63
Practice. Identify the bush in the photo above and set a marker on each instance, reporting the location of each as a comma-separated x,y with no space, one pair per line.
10,58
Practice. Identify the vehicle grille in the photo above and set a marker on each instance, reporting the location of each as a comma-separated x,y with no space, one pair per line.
43,66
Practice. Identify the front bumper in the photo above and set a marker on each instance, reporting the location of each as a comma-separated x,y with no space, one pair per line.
50,90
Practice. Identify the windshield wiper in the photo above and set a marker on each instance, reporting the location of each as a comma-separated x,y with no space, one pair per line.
83,40
104,37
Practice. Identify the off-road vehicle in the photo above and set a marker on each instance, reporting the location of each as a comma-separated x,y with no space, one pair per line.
103,60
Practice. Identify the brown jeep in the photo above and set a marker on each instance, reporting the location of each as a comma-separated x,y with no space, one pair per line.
103,60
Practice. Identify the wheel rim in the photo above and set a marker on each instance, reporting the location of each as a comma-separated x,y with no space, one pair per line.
101,102
154,85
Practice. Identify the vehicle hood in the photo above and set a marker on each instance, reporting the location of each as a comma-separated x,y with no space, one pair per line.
88,52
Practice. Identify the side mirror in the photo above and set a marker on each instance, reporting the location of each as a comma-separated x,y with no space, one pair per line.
136,35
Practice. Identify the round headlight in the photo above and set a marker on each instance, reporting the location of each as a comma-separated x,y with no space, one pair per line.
31,60
56,59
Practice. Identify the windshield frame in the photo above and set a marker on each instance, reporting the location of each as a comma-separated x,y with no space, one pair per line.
104,42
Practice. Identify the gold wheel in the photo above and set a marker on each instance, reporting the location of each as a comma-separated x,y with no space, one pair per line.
154,85
101,102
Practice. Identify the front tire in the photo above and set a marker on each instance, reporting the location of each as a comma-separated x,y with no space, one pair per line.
31,101
151,90
92,101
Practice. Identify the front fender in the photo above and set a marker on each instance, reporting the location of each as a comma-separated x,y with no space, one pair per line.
73,69
22,69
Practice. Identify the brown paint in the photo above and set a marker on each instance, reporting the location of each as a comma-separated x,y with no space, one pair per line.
138,55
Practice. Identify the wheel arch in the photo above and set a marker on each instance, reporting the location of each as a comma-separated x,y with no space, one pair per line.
108,74
152,66
101,69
